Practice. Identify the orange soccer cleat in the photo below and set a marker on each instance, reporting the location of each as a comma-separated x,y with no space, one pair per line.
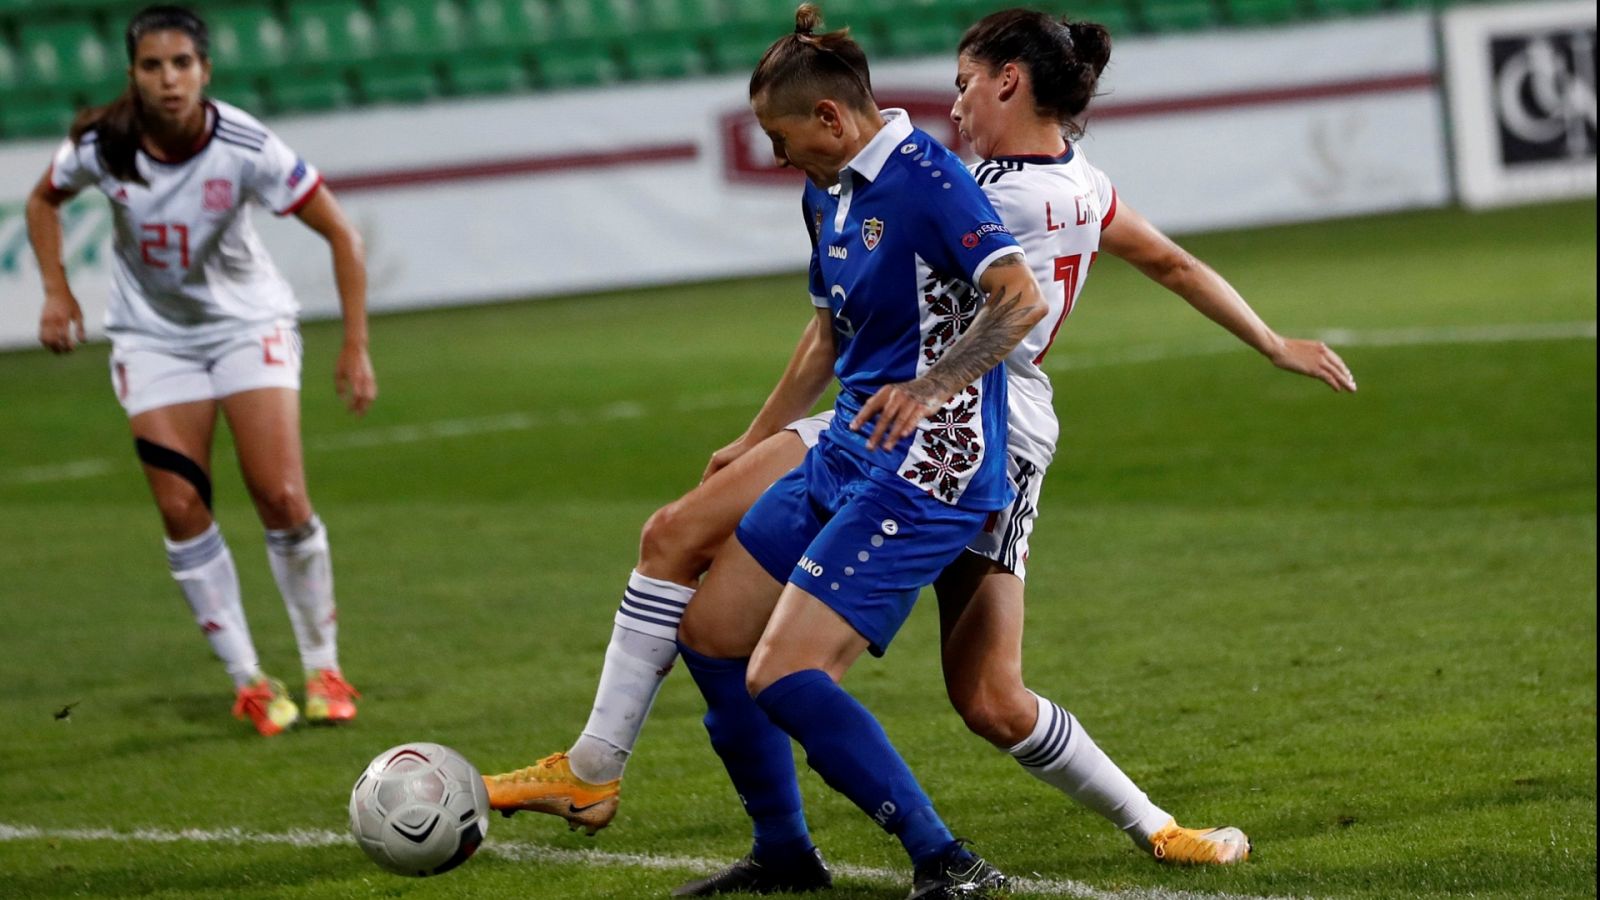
329,698
548,786
266,703
1199,846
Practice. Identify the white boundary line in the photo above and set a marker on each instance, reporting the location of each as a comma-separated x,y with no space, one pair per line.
1144,353
525,852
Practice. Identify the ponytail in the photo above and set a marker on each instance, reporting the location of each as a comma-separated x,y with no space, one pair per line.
803,67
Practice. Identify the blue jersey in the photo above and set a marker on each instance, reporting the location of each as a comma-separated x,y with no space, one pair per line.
905,221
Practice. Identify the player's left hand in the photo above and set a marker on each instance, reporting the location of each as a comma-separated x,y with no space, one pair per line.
1315,359
354,380
899,407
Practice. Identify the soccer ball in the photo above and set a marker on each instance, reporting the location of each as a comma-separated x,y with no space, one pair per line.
419,809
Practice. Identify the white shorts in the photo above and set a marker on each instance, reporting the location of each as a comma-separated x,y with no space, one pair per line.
265,355
1004,538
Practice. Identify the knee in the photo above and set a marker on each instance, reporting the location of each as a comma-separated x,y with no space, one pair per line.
183,513
674,545
283,505
1003,715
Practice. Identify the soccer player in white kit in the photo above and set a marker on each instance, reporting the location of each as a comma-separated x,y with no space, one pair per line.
200,319
1024,80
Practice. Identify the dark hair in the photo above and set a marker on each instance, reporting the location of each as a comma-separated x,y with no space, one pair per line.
119,124
1064,59
802,67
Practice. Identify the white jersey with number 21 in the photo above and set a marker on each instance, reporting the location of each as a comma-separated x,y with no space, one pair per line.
189,267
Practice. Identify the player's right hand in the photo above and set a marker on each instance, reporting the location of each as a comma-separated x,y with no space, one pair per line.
61,323
724,458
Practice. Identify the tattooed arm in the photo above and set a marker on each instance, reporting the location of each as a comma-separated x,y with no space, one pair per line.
1013,307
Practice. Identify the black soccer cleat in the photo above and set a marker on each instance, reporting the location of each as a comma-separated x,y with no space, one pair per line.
956,874
793,875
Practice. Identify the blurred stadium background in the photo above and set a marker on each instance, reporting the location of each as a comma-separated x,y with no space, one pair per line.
1364,628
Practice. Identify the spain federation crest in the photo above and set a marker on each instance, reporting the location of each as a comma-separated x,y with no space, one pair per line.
871,232
217,195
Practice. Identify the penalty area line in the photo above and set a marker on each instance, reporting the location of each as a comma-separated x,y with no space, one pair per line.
524,852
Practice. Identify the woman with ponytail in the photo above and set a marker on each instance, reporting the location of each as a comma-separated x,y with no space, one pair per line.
201,321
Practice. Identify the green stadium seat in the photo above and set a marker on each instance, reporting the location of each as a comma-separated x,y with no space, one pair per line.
574,63
240,90
397,80
67,54
32,112
485,72
591,19
910,32
1178,15
1344,7
422,28
508,23
12,74
666,54
772,14
738,47
694,16
1262,12
247,38
332,31
1115,15
309,88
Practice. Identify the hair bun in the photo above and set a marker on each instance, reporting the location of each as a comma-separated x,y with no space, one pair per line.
807,19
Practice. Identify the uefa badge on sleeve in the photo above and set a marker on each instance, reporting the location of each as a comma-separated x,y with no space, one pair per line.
872,233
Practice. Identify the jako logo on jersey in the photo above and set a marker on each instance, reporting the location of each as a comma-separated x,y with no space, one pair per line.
218,195
872,233
809,567
297,174
838,252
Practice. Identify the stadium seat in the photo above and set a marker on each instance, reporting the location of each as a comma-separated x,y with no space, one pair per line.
12,75
247,38
573,63
332,31
396,80
1262,12
694,16
933,31
1178,15
33,112
1115,15
485,72
310,88
67,54
240,90
422,28
508,23
664,54
590,19
738,47
1345,7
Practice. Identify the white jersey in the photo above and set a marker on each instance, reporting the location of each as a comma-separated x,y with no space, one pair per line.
189,266
1055,208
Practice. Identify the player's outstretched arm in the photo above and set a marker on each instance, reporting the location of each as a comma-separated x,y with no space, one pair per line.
61,322
1013,307
353,377
1132,237
807,375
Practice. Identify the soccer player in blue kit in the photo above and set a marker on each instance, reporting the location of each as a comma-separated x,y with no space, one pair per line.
829,561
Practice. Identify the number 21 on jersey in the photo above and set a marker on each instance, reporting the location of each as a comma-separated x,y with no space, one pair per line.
161,239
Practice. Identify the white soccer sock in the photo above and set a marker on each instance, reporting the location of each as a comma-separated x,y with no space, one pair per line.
204,570
644,645
1061,754
303,569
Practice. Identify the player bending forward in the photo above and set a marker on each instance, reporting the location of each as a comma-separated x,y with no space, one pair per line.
1023,79
200,319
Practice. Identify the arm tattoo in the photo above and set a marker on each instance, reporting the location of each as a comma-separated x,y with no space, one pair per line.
999,327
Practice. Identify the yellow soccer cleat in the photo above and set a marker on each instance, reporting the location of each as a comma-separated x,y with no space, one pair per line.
1199,846
267,705
548,786
329,698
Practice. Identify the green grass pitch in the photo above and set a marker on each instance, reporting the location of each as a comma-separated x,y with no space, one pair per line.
1360,627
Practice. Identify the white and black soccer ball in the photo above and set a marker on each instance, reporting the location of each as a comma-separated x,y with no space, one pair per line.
419,809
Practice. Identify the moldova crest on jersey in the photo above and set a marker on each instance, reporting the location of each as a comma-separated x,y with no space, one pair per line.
217,195
871,232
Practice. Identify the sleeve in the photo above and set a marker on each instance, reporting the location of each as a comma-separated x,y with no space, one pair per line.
74,167
282,180
819,291
961,234
1106,194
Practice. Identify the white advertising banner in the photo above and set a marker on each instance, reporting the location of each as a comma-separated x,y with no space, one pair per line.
1522,101
558,193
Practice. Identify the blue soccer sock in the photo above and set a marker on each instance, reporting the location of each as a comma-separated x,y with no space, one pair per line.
847,747
756,753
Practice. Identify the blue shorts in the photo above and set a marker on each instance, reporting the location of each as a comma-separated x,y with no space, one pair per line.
856,537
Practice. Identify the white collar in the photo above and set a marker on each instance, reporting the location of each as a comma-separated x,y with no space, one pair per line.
870,161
